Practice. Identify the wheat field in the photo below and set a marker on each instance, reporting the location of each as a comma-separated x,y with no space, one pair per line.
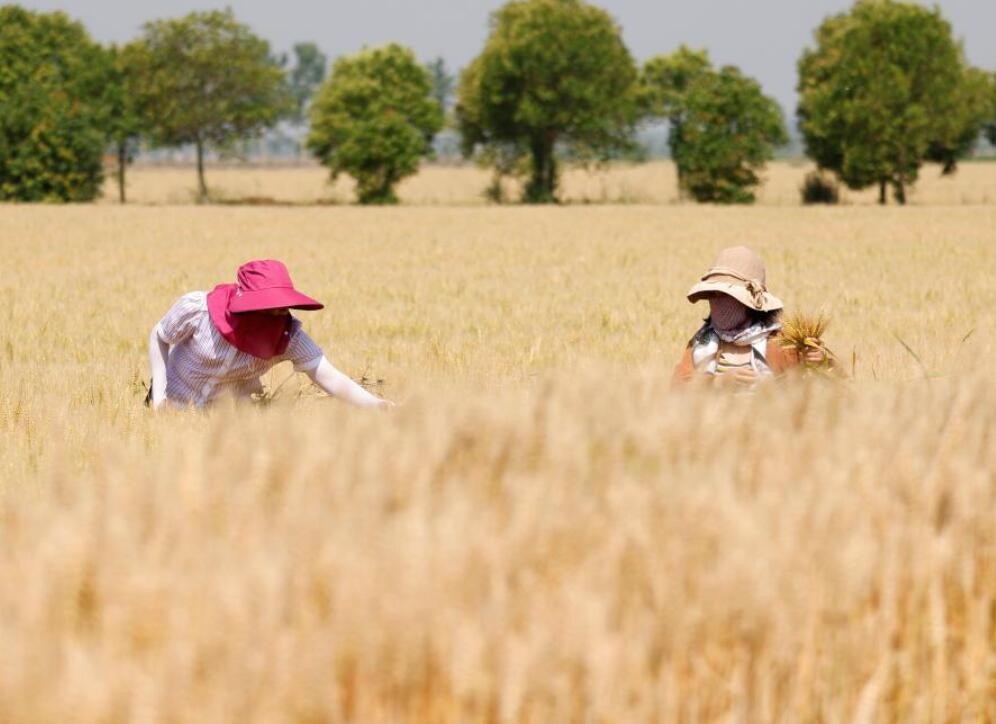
542,530
648,183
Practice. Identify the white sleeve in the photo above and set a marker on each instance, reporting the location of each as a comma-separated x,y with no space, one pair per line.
302,350
340,385
158,351
181,319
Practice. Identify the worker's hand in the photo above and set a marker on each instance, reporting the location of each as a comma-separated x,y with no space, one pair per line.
815,355
740,377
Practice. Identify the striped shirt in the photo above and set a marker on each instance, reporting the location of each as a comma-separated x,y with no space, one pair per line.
202,365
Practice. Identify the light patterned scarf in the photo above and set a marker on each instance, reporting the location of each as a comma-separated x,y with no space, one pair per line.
706,345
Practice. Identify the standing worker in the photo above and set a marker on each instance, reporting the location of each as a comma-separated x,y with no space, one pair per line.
218,343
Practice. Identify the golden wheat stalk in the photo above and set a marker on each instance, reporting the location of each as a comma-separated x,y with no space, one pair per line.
804,332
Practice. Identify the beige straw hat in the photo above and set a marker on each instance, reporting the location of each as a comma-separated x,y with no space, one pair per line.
739,273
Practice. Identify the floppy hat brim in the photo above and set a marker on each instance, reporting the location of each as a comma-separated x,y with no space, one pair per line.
272,298
707,287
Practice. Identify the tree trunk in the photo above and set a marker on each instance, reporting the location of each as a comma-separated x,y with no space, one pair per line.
386,195
900,185
543,181
551,175
202,191
882,192
122,162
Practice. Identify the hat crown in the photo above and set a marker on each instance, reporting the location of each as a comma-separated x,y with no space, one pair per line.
745,262
738,272
263,274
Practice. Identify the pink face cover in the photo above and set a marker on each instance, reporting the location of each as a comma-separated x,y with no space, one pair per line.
235,308
726,313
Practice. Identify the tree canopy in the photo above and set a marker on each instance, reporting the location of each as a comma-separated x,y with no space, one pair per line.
553,72
207,80
52,137
958,132
374,119
885,89
723,129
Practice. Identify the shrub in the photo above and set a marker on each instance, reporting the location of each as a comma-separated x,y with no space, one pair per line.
818,188
723,129
374,119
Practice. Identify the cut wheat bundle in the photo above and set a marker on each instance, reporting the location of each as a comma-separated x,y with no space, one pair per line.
804,333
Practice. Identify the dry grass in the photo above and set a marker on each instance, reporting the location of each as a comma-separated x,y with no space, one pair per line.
651,183
542,531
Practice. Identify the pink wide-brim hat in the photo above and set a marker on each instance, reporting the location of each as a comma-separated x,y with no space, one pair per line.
266,284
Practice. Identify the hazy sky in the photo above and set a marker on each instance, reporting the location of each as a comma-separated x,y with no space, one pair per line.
763,37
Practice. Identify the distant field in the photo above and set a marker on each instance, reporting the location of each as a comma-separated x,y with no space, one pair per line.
542,531
651,183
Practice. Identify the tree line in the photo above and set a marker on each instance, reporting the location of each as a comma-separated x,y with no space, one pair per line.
884,89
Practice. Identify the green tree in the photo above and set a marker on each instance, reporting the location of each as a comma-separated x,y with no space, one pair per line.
51,135
885,84
553,72
124,124
207,80
374,119
507,157
728,132
722,128
305,77
664,82
957,133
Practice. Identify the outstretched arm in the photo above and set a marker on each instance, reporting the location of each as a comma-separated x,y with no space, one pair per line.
340,385
158,352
